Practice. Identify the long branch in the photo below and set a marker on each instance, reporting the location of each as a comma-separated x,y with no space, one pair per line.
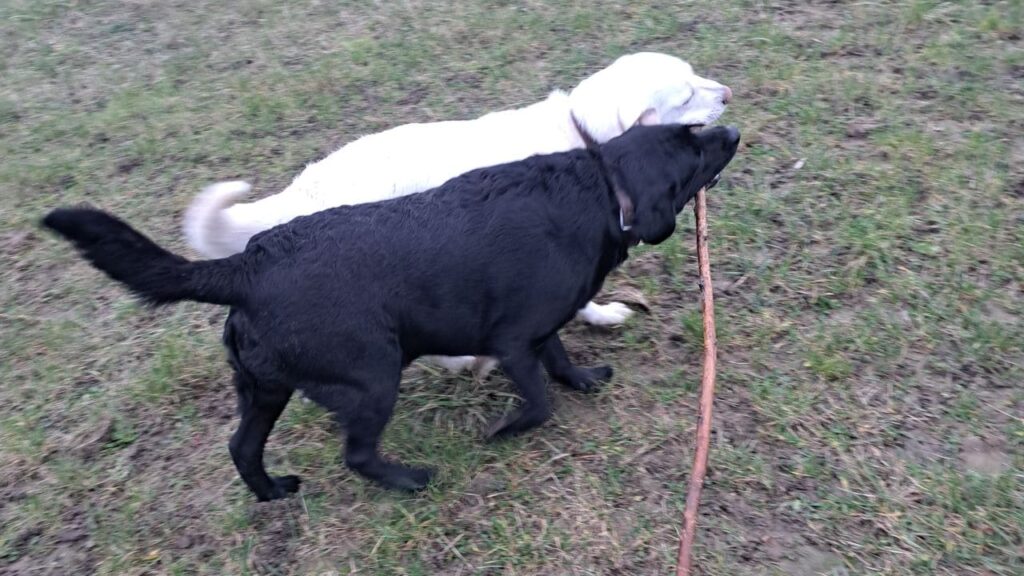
707,391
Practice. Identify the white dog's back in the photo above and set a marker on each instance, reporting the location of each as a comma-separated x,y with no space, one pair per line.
417,157
403,160
648,87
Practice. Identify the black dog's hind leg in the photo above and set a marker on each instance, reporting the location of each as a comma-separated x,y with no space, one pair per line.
363,417
361,445
260,409
524,371
557,363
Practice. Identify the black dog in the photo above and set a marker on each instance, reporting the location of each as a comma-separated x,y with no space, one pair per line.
492,263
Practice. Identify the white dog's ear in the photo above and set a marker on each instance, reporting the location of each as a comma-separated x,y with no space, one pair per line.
656,107
650,117
639,113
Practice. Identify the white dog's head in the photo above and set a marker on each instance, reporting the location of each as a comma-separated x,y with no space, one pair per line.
646,88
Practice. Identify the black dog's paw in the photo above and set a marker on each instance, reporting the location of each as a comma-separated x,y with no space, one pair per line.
287,484
516,422
391,475
504,427
588,379
418,478
406,478
282,487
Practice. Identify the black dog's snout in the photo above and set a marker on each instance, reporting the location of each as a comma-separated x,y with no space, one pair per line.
732,135
712,183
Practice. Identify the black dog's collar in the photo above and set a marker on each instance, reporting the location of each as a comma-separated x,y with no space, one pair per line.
625,203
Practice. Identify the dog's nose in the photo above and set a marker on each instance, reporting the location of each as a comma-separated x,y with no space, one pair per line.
726,95
732,135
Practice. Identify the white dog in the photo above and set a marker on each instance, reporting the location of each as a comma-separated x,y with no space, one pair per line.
642,88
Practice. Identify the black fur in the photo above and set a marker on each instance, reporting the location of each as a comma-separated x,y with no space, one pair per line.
154,274
492,263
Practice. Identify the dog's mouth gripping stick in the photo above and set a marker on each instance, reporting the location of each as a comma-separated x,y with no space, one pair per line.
707,390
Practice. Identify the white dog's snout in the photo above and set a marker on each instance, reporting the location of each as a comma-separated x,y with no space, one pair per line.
726,94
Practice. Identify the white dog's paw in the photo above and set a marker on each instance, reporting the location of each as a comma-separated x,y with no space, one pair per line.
611,314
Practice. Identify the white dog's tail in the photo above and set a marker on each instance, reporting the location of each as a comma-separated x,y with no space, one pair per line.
208,227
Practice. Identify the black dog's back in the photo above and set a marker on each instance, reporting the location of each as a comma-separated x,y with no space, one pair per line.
440,262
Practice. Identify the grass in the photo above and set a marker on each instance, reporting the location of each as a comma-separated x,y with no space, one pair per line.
869,239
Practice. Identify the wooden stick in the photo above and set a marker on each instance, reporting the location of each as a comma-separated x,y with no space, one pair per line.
707,390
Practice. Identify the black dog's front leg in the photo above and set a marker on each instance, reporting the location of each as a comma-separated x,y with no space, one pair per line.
557,363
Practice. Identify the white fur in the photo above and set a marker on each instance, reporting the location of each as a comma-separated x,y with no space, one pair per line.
645,87
611,314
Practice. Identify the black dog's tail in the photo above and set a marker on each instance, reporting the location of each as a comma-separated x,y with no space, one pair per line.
154,274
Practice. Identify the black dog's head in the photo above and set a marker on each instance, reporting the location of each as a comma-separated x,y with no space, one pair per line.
662,167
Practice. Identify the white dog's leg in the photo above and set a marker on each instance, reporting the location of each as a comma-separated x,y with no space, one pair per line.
611,314
478,366
483,366
453,363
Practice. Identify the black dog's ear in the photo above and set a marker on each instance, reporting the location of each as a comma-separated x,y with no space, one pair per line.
654,216
653,177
